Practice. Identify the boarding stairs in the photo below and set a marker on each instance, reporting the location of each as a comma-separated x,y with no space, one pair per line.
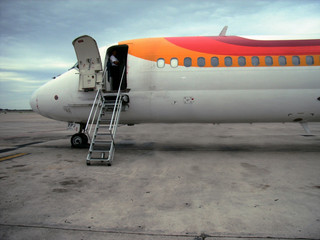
101,131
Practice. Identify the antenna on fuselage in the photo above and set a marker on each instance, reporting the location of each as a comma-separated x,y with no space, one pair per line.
223,31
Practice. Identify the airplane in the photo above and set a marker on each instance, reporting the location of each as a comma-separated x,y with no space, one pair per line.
204,79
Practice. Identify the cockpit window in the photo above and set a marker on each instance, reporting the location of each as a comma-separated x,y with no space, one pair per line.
76,66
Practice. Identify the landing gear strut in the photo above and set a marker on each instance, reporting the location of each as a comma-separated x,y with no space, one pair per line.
79,140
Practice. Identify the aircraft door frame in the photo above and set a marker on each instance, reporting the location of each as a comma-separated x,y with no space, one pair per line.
122,55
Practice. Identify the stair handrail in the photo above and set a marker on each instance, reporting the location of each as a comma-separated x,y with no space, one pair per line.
117,116
117,104
104,76
93,113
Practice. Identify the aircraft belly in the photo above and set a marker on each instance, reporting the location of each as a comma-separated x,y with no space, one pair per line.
212,107
224,106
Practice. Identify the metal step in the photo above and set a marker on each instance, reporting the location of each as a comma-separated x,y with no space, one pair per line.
107,121
102,142
98,160
103,134
99,151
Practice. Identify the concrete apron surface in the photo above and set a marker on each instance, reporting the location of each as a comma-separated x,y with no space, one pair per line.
178,181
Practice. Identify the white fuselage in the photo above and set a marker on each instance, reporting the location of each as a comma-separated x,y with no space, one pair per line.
198,95
182,94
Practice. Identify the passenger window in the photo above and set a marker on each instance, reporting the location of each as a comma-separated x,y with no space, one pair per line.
309,60
228,61
282,60
268,60
241,61
201,61
187,62
160,63
296,60
255,61
174,62
214,61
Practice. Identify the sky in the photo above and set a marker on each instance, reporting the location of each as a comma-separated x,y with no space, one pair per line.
36,35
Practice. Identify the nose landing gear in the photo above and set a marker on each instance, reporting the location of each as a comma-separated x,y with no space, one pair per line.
79,140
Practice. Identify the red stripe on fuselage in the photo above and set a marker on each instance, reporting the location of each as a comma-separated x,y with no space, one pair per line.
242,46
240,41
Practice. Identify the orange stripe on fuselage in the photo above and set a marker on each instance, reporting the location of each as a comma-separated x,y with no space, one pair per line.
154,48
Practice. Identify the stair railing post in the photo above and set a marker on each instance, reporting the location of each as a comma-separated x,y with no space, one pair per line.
93,113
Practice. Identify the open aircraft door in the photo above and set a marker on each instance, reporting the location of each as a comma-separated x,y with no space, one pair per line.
89,63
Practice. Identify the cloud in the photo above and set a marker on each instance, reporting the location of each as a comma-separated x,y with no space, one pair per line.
16,88
16,77
34,64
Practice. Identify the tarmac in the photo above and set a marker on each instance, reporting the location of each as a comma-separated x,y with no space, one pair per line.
167,181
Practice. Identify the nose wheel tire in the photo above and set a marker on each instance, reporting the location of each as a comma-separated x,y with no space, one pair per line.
79,140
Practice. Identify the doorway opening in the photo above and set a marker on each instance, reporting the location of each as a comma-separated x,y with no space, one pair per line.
115,69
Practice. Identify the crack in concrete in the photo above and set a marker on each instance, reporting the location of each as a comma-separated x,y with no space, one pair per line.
17,147
203,236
